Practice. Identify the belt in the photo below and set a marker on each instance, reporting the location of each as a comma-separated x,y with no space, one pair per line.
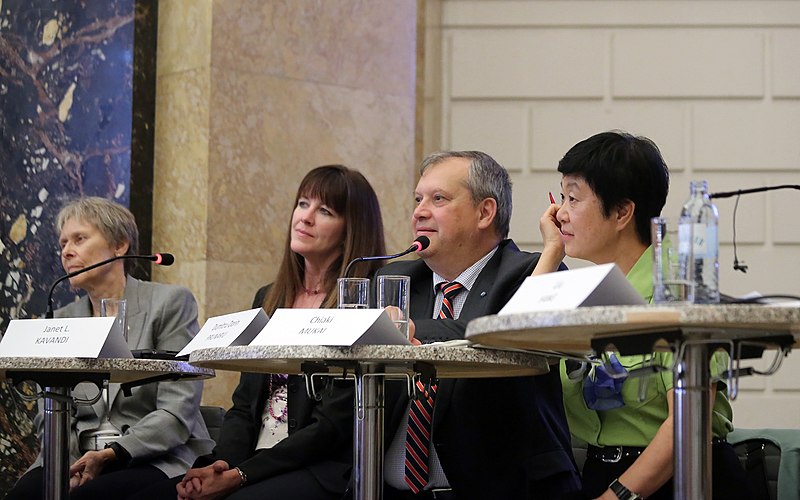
613,454
434,494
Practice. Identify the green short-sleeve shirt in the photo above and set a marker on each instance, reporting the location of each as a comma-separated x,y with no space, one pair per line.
636,423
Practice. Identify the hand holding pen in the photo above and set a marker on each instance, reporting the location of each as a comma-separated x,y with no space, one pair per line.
548,224
553,251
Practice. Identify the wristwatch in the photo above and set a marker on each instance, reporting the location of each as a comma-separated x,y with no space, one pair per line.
622,492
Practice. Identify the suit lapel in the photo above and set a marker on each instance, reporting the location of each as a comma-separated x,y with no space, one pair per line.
422,295
477,304
478,300
135,318
136,315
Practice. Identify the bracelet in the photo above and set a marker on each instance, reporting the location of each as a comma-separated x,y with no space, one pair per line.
242,476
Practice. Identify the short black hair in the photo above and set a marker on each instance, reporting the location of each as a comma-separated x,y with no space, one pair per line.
619,166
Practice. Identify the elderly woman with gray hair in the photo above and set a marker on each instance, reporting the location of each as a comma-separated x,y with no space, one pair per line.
161,430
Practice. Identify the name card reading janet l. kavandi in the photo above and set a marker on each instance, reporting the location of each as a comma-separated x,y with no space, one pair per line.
237,328
330,327
64,338
602,285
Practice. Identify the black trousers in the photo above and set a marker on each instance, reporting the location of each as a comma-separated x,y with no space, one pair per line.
564,485
111,483
298,484
728,477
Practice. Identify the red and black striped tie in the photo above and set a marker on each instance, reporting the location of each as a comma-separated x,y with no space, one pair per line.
420,415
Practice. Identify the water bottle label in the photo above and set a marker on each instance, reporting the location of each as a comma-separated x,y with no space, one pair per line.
705,241
685,239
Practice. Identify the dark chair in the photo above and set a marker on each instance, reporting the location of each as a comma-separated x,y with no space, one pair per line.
761,460
212,416
773,454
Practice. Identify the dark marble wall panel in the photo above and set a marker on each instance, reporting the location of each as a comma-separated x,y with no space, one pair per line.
66,95
143,126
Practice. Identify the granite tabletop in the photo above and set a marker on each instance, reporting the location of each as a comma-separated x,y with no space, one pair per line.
121,370
573,330
449,361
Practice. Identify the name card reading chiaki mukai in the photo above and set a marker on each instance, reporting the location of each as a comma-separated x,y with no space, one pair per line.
237,328
64,338
331,327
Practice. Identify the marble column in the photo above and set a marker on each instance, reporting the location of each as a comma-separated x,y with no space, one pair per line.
251,95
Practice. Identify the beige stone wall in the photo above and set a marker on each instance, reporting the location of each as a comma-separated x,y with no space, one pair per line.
715,84
251,95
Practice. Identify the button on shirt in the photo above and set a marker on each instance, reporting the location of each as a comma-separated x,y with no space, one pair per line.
394,469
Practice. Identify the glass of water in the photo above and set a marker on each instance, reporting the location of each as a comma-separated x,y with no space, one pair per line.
672,262
353,293
116,308
393,295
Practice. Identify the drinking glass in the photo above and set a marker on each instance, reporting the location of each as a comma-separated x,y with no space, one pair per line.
672,256
393,295
353,293
116,307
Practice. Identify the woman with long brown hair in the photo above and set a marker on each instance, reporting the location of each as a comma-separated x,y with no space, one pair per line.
275,441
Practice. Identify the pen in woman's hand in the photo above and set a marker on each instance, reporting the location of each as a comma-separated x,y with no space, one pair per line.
552,200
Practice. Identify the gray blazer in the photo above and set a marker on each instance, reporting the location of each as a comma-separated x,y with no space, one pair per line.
161,421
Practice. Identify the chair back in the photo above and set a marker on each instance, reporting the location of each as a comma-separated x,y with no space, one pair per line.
212,416
771,458
761,460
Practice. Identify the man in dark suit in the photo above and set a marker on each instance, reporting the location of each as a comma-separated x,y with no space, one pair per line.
491,438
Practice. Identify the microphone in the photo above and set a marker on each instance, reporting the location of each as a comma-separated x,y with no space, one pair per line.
737,264
728,194
164,259
419,244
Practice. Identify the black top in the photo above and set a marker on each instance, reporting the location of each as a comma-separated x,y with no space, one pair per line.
320,432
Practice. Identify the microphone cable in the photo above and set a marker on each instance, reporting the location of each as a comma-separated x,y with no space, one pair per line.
737,265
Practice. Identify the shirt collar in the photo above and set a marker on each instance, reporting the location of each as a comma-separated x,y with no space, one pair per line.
641,275
467,277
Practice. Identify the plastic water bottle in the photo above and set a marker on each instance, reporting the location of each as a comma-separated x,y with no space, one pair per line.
701,215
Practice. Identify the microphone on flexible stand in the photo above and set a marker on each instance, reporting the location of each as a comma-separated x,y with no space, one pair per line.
420,244
740,265
164,259
728,194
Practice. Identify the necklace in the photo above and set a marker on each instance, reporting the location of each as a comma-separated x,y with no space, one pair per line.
278,394
313,291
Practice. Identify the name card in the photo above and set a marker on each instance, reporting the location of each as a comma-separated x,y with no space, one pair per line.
330,327
237,328
602,285
64,338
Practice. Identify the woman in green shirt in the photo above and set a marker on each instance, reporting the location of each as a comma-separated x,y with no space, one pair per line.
612,185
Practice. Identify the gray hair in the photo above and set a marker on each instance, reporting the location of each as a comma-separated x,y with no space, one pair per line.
114,221
487,179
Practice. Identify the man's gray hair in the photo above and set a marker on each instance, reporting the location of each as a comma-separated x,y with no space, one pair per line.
486,179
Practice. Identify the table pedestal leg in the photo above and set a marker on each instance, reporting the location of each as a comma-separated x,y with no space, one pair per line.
692,423
368,433
55,444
